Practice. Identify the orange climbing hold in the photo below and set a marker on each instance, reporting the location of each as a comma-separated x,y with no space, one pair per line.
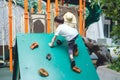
34,45
43,72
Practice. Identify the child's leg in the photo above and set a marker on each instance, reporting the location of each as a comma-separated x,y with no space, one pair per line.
73,65
70,51
75,50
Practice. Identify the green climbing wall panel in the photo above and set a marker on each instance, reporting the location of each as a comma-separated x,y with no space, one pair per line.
29,61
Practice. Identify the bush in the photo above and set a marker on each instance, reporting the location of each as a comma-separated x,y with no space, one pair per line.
115,65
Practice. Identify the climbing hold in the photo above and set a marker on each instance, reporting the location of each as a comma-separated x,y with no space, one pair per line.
43,72
58,42
34,45
48,56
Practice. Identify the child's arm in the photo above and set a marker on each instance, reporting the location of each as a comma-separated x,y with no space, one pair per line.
52,42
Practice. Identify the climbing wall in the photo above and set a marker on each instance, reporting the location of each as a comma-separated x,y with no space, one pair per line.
28,61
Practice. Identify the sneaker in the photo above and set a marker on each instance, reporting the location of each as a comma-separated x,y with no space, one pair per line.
76,69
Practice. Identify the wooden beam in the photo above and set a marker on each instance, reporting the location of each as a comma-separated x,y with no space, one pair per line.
56,7
62,2
32,10
10,33
48,16
26,15
39,6
84,14
80,17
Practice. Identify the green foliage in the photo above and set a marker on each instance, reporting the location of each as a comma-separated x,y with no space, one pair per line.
111,8
35,6
116,33
115,65
94,13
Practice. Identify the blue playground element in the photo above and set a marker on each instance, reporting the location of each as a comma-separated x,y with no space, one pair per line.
28,61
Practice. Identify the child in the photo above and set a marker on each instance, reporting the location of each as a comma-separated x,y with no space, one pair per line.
70,35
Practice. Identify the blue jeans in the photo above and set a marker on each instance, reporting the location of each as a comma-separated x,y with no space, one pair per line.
71,45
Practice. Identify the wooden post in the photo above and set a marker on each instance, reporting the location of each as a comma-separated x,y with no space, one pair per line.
10,33
67,2
46,6
62,2
56,7
32,10
26,15
84,9
39,6
80,18
48,16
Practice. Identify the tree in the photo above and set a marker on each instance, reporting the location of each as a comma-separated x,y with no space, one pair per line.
111,8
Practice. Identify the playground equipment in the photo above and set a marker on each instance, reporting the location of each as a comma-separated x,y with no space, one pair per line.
26,18
3,25
10,33
28,62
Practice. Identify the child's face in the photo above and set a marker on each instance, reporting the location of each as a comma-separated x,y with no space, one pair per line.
56,24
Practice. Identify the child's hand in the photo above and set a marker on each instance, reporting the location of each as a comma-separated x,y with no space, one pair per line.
50,44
